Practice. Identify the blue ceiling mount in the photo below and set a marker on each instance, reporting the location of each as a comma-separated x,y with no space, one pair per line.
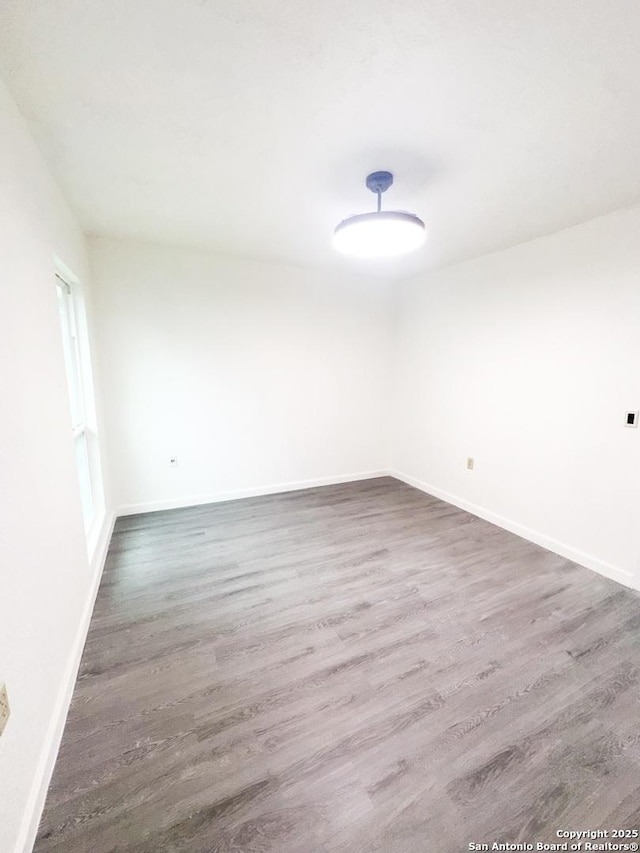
379,182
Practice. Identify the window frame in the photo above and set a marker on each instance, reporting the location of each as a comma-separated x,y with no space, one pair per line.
75,343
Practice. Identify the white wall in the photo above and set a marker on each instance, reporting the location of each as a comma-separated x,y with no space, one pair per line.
45,578
527,360
257,376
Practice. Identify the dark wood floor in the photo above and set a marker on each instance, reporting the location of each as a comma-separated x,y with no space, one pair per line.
351,668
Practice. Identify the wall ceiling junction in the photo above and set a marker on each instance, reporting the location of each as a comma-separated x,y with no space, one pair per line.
248,126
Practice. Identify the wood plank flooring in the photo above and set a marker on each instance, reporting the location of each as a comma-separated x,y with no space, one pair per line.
346,669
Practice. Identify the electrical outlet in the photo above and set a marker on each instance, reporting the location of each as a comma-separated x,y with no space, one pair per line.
469,463
173,461
4,707
631,419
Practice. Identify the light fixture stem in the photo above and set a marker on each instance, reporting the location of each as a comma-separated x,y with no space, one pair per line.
379,200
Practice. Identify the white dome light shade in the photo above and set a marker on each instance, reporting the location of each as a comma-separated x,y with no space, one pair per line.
382,234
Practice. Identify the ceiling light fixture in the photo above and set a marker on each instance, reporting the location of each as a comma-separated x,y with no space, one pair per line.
382,233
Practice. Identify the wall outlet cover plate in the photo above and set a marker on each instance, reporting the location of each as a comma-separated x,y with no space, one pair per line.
4,707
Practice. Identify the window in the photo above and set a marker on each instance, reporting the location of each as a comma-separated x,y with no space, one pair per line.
76,358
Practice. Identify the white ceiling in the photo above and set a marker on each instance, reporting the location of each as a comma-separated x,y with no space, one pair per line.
249,125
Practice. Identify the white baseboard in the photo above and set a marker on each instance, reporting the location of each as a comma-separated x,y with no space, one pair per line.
575,555
238,494
40,786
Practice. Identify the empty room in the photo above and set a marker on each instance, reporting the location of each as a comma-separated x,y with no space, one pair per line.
320,446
